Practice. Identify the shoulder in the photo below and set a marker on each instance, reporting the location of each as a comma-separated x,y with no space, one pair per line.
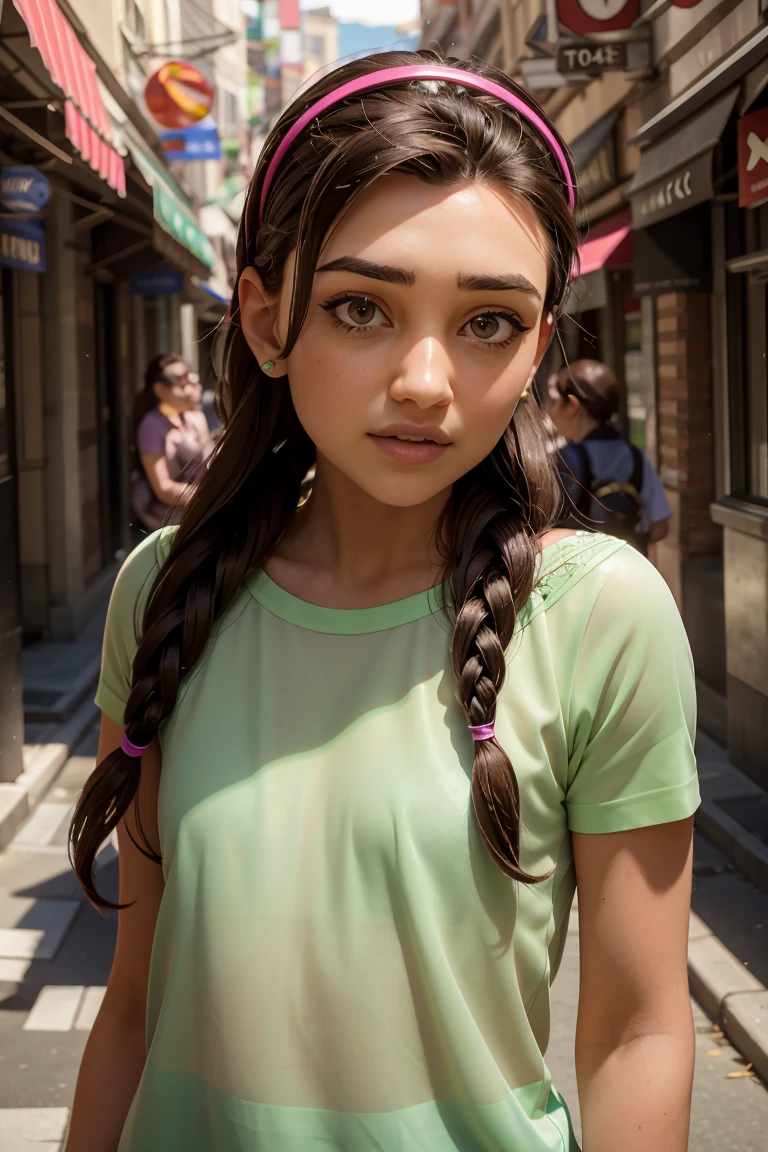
142,565
152,431
594,573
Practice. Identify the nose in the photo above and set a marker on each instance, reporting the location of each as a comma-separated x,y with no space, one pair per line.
424,375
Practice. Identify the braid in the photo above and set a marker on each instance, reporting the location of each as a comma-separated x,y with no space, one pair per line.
234,519
495,544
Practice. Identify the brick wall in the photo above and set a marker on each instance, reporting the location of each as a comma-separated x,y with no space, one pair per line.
686,425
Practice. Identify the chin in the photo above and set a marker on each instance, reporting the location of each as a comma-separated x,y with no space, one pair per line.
402,491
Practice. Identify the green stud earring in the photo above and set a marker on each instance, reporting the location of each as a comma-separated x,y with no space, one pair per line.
268,365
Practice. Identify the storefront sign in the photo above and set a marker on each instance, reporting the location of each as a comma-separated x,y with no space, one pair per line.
164,281
586,16
178,95
592,58
23,189
198,142
22,244
683,188
753,158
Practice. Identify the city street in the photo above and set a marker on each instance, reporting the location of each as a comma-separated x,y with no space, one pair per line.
47,1004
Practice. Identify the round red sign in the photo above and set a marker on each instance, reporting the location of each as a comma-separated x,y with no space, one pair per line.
585,16
178,95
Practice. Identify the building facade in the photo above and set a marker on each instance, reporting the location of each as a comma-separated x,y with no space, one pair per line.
103,263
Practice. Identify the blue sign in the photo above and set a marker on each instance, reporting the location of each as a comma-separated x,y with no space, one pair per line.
199,142
23,189
22,244
164,281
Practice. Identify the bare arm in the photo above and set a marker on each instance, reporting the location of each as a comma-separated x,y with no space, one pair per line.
634,1036
658,531
166,490
114,1056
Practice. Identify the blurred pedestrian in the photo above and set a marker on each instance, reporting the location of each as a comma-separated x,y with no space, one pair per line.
172,440
611,484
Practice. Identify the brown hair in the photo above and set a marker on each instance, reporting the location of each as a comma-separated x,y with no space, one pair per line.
442,135
593,384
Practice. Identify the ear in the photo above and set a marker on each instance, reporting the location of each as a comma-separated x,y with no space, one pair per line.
546,328
258,320
157,388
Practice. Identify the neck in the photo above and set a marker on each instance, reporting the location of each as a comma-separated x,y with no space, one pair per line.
344,540
169,412
585,425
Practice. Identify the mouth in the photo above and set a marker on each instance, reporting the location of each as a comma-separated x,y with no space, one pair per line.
408,447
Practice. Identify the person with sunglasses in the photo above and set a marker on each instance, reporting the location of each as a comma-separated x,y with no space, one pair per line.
172,441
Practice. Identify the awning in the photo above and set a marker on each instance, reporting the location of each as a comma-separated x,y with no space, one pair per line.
610,245
723,76
72,69
676,172
172,211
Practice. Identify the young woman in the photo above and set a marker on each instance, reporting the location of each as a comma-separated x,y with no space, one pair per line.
359,754
172,439
609,481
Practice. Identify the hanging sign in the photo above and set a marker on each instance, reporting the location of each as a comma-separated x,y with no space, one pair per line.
198,142
592,57
586,16
753,158
178,95
23,189
22,244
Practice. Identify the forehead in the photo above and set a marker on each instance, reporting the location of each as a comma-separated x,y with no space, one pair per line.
439,231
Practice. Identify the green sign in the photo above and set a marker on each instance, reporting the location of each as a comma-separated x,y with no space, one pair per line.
182,225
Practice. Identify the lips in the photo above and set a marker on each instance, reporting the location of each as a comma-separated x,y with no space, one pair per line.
408,451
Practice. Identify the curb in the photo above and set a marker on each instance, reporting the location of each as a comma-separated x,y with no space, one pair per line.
748,853
729,994
42,764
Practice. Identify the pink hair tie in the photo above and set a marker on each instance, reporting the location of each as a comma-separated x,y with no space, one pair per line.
417,72
482,731
132,749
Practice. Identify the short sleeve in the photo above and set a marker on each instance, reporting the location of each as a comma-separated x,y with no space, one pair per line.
126,605
632,712
151,433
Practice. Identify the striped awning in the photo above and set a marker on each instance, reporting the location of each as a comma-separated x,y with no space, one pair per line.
73,70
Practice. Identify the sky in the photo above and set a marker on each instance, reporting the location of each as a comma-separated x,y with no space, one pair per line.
369,11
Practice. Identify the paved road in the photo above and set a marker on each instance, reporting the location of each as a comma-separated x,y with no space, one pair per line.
47,1004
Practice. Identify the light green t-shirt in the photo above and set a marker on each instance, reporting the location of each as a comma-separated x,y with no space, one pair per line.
338,966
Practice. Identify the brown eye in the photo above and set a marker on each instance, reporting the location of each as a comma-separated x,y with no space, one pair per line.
358,312
492,328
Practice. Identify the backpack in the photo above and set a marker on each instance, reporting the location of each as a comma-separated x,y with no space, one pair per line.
618,500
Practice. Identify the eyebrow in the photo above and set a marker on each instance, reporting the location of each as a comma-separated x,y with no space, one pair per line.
391,275
369,268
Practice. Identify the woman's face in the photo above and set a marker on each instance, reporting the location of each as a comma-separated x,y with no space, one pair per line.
181,391
425,325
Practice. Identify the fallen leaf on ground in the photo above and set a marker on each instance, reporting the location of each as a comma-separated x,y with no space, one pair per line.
738,1075
714,1052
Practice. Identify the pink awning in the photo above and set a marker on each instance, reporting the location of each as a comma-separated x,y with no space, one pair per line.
72,69
610,244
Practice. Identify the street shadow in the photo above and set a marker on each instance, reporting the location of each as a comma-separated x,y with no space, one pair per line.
86,951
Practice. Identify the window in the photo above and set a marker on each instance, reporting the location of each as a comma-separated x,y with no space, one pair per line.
747,316
134,19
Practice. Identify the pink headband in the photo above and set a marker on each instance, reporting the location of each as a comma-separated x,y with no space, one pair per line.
416,72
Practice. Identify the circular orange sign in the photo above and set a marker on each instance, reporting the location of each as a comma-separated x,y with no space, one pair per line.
178,95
